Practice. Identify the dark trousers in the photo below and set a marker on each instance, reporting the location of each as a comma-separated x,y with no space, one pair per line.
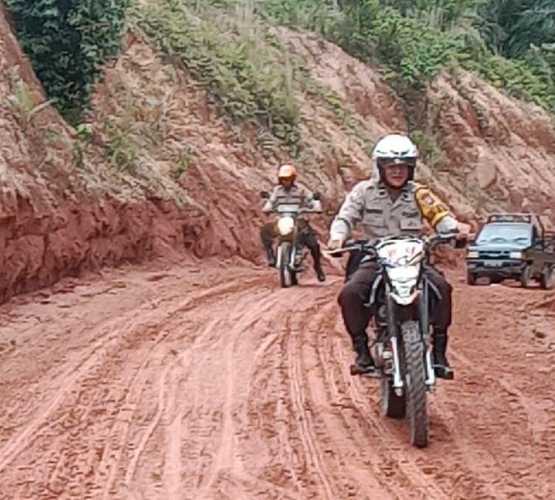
356,293
306,237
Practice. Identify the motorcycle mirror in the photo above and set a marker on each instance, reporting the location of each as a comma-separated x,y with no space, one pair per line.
264,195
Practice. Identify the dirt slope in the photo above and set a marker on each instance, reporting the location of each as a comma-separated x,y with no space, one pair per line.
62,209
501,151
173,383
189,179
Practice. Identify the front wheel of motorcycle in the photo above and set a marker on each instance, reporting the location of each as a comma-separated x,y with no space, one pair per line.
415,383
286,276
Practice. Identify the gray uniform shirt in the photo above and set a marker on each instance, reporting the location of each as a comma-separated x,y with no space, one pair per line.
370,205
296,196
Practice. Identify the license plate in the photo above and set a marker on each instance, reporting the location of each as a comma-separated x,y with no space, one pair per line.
493,264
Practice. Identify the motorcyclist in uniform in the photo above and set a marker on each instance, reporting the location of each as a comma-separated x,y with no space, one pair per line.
389,205
288,192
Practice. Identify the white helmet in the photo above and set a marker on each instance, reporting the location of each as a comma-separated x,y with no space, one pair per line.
394,149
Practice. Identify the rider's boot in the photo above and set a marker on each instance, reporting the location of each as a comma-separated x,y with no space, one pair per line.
270,256
441,365
298,263
319,271
363,361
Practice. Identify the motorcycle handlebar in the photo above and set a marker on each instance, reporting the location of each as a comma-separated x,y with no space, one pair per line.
298,212
369,248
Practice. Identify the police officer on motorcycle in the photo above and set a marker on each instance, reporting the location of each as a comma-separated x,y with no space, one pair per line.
288,192
391,204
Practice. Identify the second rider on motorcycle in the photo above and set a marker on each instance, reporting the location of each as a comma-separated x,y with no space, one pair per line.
288,192
392,204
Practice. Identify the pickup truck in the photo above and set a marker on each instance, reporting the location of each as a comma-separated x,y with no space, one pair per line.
512,246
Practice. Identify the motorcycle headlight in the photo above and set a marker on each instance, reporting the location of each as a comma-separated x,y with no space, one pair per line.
404,280
472,254
286,225
405,294
515,255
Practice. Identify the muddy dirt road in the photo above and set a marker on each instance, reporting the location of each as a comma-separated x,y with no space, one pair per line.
169,383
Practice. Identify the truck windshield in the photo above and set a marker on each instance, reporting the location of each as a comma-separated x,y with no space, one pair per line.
506,233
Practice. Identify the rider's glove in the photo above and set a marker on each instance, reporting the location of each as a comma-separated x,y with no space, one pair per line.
463,230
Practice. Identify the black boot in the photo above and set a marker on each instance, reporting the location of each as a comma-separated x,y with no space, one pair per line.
441,365
319,272
270,256
363,361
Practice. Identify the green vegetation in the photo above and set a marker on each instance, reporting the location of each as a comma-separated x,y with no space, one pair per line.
242,66
67,42
429,149
511,43
228,46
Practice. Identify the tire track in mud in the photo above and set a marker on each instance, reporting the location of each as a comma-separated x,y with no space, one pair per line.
49,419
107,335
219,431
301,408
267,418
506,440
242,390
205,336
310,423
445,469
371,452
365,476
279,412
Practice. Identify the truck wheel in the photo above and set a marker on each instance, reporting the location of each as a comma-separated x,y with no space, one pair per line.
547,279
470,278
526,277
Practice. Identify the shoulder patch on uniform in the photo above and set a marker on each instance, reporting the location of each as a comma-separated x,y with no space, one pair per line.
432,208
428,199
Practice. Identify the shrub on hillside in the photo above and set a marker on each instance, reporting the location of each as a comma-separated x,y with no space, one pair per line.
67,42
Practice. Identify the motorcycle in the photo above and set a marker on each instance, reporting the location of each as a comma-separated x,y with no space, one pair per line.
289,257
402,351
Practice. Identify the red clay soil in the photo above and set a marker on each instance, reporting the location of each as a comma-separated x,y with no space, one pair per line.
189,382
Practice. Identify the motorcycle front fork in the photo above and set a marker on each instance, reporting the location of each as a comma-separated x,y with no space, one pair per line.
391,365
431,374
397,378
425,328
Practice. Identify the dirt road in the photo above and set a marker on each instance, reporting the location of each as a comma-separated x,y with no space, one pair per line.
171,383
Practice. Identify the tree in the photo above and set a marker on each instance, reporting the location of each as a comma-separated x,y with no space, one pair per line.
67,42
512,27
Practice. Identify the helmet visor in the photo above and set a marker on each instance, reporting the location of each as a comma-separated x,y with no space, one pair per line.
396,162
286,178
